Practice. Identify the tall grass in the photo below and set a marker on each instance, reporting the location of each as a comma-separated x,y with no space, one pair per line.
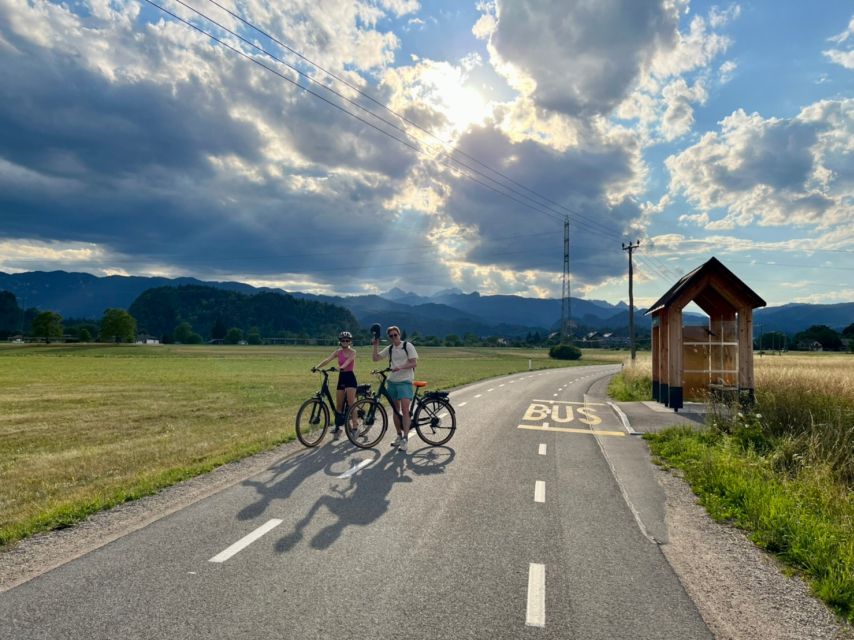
634,382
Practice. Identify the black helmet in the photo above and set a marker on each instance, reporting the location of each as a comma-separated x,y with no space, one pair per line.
345,334
376,329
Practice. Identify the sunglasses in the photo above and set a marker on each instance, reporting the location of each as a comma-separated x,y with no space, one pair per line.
345,340
393,335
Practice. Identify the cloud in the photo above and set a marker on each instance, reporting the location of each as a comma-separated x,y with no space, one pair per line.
171,154
842,56
679,114
578,58
773,171
726,71
675,79
589,182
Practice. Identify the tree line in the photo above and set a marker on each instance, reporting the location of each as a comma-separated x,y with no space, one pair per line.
193,314
116,325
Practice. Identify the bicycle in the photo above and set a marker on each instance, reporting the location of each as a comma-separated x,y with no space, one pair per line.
432,415
312,419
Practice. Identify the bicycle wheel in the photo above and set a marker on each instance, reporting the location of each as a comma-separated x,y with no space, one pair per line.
312,422
371,423
435,420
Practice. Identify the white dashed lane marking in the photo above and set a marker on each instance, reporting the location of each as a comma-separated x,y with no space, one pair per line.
536,614
539,491
245,541
355,468
542,451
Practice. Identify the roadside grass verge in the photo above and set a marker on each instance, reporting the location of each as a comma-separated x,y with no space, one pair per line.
806,519
782,470
86,427
634,382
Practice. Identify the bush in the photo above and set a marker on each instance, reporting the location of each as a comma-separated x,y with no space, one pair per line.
565,352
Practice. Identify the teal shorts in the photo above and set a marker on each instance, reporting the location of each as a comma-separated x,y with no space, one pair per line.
400,390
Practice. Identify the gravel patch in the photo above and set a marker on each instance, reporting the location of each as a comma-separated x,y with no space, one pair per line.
739,589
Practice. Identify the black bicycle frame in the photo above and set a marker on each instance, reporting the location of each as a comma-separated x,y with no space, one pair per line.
333,404
382,392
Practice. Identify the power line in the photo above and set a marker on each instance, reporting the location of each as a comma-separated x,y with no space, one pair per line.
585,222
538,207
445,143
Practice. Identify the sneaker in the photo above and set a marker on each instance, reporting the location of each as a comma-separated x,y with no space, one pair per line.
403,443
396,442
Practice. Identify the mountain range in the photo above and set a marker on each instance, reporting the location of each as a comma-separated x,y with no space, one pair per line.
82,295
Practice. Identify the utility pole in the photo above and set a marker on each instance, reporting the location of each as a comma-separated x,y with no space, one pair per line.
565,304
631,247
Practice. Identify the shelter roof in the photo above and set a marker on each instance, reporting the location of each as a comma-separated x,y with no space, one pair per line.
709,275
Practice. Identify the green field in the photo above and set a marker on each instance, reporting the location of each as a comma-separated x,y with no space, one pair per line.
85,427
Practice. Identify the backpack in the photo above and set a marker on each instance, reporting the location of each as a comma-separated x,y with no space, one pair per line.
405,348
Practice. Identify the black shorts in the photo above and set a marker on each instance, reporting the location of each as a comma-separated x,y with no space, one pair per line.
347,380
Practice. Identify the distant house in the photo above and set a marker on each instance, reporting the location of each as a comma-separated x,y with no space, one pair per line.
810,345
146,339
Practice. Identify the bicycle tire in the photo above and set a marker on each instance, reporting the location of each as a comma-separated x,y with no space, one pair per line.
312,426
434,427
372,421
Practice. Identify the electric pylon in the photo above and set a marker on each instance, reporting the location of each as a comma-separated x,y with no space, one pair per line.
566,305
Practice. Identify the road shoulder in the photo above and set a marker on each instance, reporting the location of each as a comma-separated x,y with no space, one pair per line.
740,591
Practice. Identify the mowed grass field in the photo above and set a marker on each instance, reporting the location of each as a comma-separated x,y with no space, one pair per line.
85,427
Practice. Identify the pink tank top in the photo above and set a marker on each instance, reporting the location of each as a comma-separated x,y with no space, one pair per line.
342,357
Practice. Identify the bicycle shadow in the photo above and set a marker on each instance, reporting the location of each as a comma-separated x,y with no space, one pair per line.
364,499
287,476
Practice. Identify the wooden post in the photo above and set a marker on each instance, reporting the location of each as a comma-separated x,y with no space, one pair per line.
674,374
745,355
656,346
664,357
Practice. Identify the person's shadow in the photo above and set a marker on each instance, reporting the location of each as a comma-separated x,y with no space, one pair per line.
365,499
288,475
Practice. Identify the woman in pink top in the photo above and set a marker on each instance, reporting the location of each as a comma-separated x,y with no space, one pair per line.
346,376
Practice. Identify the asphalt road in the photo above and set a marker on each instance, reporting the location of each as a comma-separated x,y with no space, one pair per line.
539,519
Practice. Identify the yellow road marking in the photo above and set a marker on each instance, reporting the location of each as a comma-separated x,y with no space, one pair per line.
567,430
592,404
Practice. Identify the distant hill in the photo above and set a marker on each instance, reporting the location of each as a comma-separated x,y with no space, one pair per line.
791,318
159,310
81,295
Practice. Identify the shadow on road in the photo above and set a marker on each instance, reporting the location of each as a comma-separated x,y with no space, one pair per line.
364,497
288,475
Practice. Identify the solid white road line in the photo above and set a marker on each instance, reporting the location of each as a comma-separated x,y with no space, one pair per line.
246,541
352,471
543,449
623,419
539,491
536,614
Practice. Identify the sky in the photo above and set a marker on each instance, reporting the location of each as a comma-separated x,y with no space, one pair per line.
349,147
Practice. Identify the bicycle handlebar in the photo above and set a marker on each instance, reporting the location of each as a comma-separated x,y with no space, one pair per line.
380,371
329,370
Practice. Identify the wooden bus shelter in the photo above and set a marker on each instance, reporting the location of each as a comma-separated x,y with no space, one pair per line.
693,362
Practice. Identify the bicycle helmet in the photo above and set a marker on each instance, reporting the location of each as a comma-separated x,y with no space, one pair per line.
345,335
